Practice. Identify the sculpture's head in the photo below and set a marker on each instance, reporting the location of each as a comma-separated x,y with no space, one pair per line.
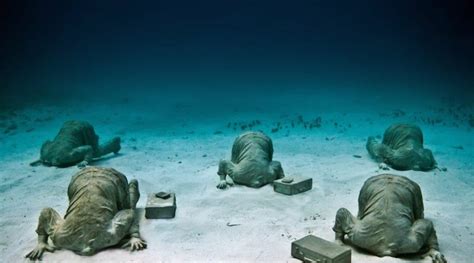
425,160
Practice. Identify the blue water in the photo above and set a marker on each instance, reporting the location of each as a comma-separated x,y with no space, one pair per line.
54,52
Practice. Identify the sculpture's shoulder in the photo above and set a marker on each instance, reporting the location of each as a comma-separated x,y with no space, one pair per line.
252,135
73,126
386,179
94,173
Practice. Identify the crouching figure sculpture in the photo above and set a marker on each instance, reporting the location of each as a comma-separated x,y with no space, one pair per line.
76,143
251,162
101,214
390,220
402,149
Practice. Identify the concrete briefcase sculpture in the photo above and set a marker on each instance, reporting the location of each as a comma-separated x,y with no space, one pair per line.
315,249
293,185
160,205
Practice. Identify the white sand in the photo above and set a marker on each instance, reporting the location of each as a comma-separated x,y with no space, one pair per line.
174,148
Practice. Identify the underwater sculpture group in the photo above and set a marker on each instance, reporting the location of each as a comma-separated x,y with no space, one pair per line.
102,203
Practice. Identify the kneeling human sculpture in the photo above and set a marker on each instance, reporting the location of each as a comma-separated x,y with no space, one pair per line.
251,162
101,214
76,143
402,149
390,221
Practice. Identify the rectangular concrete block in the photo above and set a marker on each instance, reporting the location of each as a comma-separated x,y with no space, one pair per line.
293,185
314,249
160,205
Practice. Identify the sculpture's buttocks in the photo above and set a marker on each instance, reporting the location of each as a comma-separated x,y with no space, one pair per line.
251,161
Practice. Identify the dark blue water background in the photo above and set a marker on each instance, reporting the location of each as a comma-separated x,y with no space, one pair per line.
217,51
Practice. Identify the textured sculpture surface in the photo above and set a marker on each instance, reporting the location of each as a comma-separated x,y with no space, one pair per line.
390,221
251,162
101,214
402,149
76,143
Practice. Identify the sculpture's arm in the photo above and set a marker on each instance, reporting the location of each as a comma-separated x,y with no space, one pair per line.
48,221
135,242
225,168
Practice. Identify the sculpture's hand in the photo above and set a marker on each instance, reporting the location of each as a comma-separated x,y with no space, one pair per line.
135,243
339,239
222,184
38,251
436,256
82,164
384,166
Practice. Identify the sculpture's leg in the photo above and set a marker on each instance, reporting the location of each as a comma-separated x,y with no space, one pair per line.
344,225
36,163
422,234
225,168
112,146
82,155
48,221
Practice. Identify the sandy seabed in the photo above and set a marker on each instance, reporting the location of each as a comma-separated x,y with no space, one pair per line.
177,149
